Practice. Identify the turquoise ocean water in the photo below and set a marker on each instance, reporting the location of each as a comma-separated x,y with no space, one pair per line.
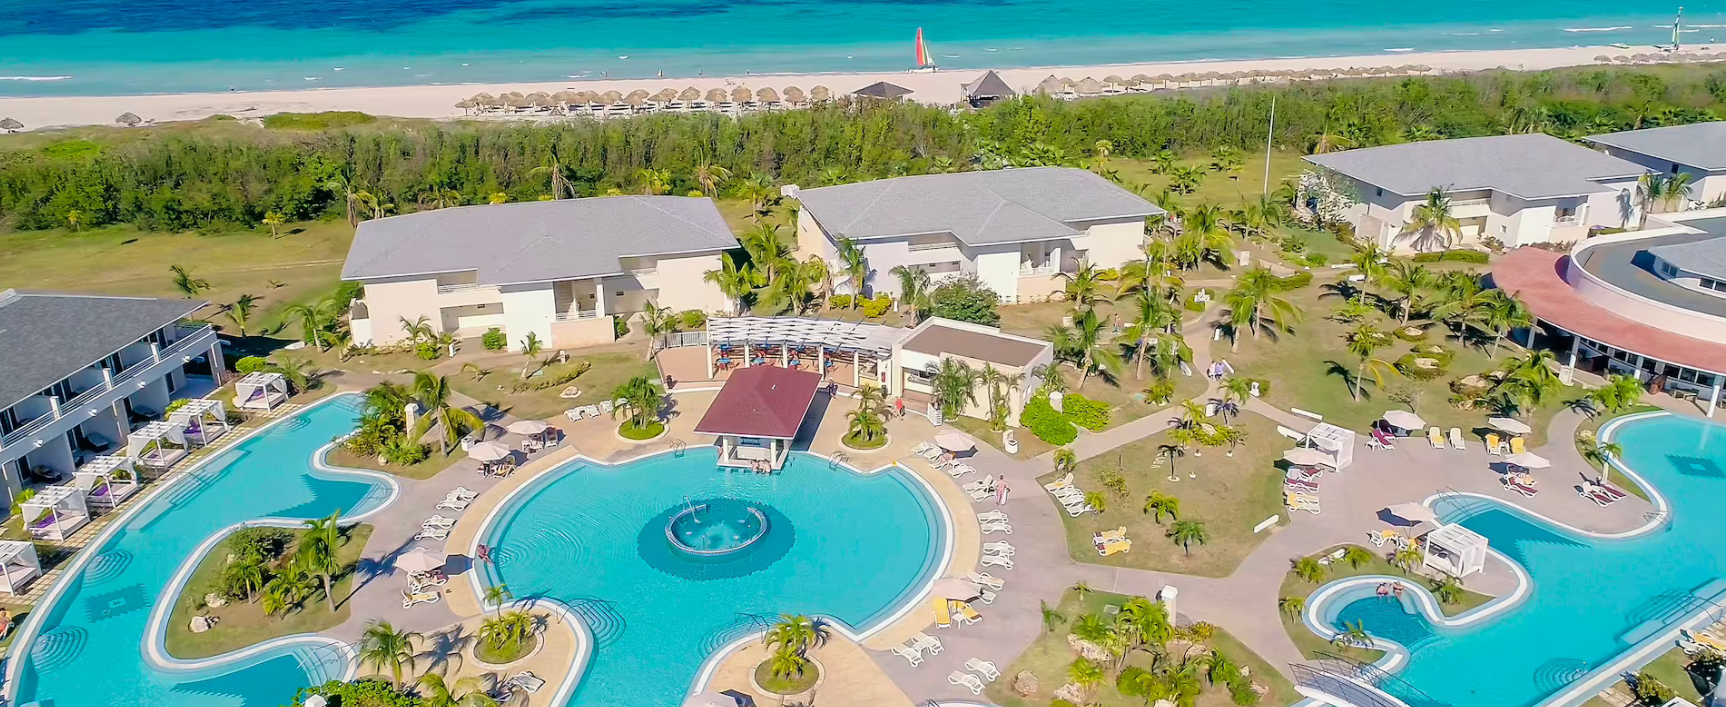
100,47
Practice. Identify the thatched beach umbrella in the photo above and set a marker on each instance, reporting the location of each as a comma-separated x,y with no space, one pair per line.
1603,58
666,95
820,93
1141,79
1089,87
1422,68
690,94
767,95
716,95
634,101
512,96
465,104
741,95
795,96
521,104
610,97
584,97
640,94
1641,57
1114,80
129,119
1049,86
11,125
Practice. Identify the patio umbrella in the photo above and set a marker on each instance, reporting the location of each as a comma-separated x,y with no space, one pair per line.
488,451
710,699
1307,456
716,95
1528,460
794,94
10,124
420,560
1404,419
527,427
954,442
1414,513
690,94
955,588
741,95
1515,427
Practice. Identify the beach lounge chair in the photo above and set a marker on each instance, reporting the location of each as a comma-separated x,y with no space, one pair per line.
926,642
409,599
966,680
1517,446
438,522
606,406
979,494
1061,483
967,615
931,453
997,528
1080,509
433,534
980,484
923,448
1070,492
909,654
1456,438
1611,491
983,668
985,579
1298,486
526,680
1515,483
1706,640
1301,502
1492,445
943,614
573,414
992,517
1593,493
1380,537
1435,437
987,596
1109,535
462,493
959,470
1001,561
453,504
1114,546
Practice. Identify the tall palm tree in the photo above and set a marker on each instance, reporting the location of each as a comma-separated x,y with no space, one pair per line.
1368,259
1432,225
433,392
1501,313
855,267
247,571
186,283
445,197
1186,532
644,400
418,330
1254,304
760,192
318,552
531,347
1148,329
914,288
383,647
796,634
1407,279
464,692
317,320
1084,287
868,422
955,386
560,185
1172,452
1363,341
711,177
656,321
1530,381
1620,392
1155,272
496,595
736,279
240,312
766,251
1085,345
274,220
343,186
1203,236
998,383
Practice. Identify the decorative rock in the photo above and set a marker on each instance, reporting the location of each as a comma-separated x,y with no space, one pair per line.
200,624
1025,684
1163,703
570,393
215,600
1072,692
1424,362
1087,649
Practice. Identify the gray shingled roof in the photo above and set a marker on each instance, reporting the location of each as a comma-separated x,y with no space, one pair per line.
1529,166
536,241
1704,257
1699,145
989,85
46,336
1000,206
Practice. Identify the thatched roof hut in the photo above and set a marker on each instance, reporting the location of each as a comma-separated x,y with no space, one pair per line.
129,119
794,94
820,93
10,125
716,95
690,94
665,95
1114,80
741,95
610,97
1088,87
767,95
1050,86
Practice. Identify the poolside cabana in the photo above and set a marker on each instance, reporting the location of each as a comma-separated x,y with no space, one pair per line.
106,481
848,353
18,566
204,420
1455,550
757,414
1336,441
158,444
260,391
55,512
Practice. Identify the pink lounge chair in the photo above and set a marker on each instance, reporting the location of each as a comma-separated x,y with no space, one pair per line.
1592,493
1519,487
1383,438
1610,491
1299,486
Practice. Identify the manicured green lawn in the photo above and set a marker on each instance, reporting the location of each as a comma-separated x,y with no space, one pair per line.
1669,668
1218,188
1230,495
1049,655
1029,446
610,369
1310,644
243,624
432,466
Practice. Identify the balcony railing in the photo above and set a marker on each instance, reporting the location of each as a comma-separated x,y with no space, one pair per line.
931,246
639,272
442,289
1567,220
1455,203
1035,270
190,339
574,315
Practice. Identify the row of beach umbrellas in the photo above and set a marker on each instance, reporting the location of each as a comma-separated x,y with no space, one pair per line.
1054,85
1663,57
641,97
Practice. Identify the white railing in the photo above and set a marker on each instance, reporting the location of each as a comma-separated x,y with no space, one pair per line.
931,246
188,337
644,271
443,289
1033,271
577,314
1455,203
1567,220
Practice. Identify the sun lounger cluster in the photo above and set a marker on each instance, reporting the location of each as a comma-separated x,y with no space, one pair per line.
1110,542
1495,446
603,409
971,682
525,681
913,648
1300,489
1390,536
1070,496
1696,643
1521,483
946,461
996,554
437,527
1601,493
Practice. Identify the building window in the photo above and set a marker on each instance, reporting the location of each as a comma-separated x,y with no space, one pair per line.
1381,191
1565,212
1715,285
1674,169
1668,269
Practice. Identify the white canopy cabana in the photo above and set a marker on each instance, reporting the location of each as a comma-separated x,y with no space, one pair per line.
749,341
106,481
260,391
158,444
18,565
1336,441
1513,426
204,420
55,512
1455,550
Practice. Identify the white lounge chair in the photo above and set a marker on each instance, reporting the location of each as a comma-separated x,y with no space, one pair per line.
924,448
982,483
1001,561
1068,495
605,407
1080,509
463,493
1456,441
979,494
1003,548
409,599
453,504
997,527
926,642
966,680
983,668
987,596
909,654
526,680
438,522
432,534
959,470
992,517
1061,483
985,579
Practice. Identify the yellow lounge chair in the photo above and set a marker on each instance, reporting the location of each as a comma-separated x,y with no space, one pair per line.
1435,437
1492,444
1711,642
1517,446
943,614
1109,536
967,615
1112,547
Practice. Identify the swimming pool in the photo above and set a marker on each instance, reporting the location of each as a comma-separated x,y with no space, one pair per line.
1593,601
856,548
88,649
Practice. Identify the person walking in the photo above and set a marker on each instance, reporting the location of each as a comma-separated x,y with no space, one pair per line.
1001,490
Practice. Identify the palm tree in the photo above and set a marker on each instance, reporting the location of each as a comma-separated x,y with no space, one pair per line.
343,186
316,320
1308,569
1368,259
1081,589
795,634
643,399
1432,226
653,181
1362,342
867,423
513,628
444,197
186,283
955,386
1291,606
464,692
1600,454
1353,635
1159,503
246,571
656,321
997,383
318,553
1154,272
298,372
1186,532
1620,392
1051,617
711,177
1065,460
496,595
1235,390
383,647
531,348
760,192
794,286
274,220
1083,287
734,278
1356,556
855,267
1172,452
1254,303
497,198
240,312
1407,279
914,288
1408,558
1530,381
418,330
1447,590
433,392
1502,313
1087,673
1085,346
1203,236
1151,320
559,183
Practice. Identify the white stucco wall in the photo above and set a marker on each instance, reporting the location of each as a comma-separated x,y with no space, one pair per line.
390,300
1704,186
1110,244
812,239
528,308
682,283
998,267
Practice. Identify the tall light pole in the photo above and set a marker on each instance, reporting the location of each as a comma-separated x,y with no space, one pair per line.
1268,133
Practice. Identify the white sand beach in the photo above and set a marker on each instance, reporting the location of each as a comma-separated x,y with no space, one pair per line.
943,87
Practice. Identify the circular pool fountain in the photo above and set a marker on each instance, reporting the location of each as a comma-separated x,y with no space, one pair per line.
715,528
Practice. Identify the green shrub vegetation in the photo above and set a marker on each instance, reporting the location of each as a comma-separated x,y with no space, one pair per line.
966,299
494,339
1086,413
1292,282
1046,423
251,364
1461,255
317,121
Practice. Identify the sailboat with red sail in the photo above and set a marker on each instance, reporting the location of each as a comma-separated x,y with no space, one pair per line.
925,60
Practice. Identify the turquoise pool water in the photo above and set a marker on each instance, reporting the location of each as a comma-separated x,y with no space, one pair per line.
839,544
87,651
1592,599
